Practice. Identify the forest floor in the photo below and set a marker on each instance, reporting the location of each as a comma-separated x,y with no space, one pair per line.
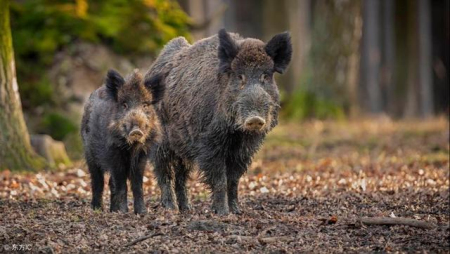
305,192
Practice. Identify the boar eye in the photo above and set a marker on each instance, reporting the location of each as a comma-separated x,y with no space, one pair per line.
124,105
242,80
145,105
264,78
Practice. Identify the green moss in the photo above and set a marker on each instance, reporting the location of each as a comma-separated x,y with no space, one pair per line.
53,25
41,28
307,104
37,92
58,126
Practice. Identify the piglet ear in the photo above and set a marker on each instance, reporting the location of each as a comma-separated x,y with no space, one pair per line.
279,48
113,83
156,86
227,51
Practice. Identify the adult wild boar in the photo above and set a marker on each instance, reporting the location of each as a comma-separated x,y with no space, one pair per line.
118,128
221,101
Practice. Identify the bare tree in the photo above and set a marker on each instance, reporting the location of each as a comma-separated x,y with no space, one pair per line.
15,149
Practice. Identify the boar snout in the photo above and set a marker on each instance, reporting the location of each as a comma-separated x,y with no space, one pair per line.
254,123
136,133
135,127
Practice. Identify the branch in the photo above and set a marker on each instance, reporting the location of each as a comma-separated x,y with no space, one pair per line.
396,221
142,239
266,240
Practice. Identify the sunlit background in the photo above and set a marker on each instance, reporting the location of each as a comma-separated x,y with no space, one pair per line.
351,58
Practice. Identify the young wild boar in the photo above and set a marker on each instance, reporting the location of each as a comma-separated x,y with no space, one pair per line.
118,128
221,101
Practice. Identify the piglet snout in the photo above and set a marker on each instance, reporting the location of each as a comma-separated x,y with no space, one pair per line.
136,133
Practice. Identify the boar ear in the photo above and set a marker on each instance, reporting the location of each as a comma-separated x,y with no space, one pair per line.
279,48
227,51
113,82
156,86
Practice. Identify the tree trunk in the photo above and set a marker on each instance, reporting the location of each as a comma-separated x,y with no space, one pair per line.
412,106
334,57
298,13
425,68
354,65
371,55
15,152
388,59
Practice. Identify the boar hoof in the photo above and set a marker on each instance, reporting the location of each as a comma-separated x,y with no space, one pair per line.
235,209
141,211
115,210
169,205
223,210
185,207
97,207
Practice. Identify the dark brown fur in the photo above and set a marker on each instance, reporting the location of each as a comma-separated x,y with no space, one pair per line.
118,128
221,101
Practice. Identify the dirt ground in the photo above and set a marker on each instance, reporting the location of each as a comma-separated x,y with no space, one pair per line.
305,192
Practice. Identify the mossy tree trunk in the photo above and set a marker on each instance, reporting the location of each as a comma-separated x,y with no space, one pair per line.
15,149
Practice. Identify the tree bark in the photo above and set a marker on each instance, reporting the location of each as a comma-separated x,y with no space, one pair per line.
425,68
389,56
412,106
15,149
371,55
354,65
334,57
298,13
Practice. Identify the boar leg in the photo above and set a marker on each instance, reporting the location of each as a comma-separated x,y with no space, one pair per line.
97,183
233,201
181,175
136,177
164,175
219,194
236,167
118,191
216,177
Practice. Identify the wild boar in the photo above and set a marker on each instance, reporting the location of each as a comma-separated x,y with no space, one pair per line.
221,101
119,127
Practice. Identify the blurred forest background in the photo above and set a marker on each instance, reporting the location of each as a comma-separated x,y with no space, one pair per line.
351,58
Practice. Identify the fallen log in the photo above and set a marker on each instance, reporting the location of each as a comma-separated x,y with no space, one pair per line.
395,221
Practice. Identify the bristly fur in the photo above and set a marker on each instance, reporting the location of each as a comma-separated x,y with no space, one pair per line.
113,83
110,115
155,84
227,51
280,49
213,87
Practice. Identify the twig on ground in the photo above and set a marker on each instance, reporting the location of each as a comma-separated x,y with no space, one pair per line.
142,239
266,240
396,221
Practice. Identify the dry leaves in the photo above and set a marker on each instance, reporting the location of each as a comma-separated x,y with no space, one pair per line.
294,199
